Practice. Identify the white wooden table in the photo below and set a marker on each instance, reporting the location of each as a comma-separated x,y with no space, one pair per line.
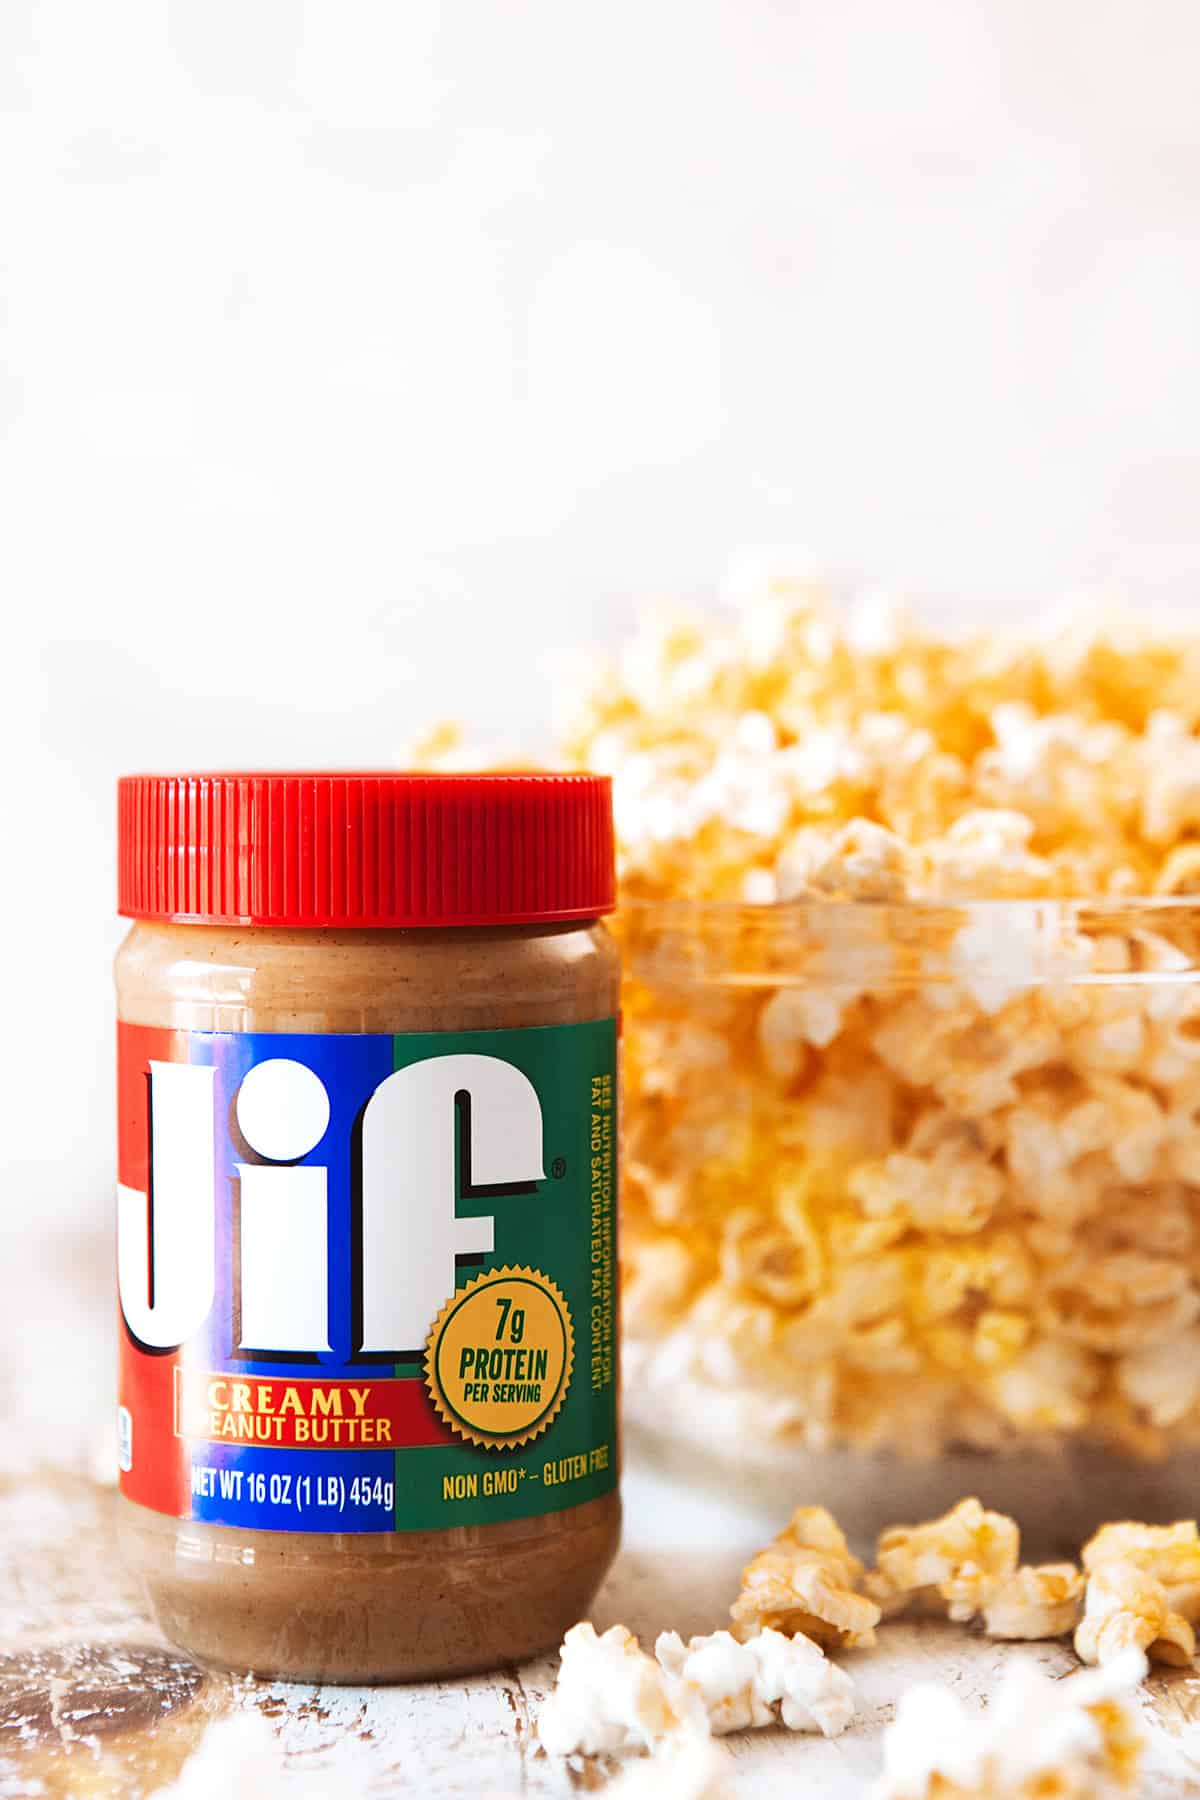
92,1702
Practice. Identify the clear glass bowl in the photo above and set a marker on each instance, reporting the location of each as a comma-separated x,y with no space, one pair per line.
912,1204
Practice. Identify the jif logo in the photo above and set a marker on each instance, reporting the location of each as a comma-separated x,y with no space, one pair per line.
447,1125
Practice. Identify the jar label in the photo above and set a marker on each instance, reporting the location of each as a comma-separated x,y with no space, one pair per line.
367,1283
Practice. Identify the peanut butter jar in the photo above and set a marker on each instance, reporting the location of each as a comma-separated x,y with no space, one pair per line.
367,1187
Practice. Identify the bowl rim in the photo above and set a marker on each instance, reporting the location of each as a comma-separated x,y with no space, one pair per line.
798,907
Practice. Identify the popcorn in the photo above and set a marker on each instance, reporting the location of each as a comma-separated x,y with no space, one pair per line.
1171,1553
988,850
1048,1389
998,956
782,1261
659,1279
767,1679
1039,1739
1120,1300
1171,802
685,1768
1180,873
796,1017
240,1758
1039,1601
806,1582
943,840
1124,1607
953,1190
610,1698
965,1557
863,862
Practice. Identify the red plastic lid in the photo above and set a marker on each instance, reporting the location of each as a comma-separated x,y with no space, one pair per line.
365,848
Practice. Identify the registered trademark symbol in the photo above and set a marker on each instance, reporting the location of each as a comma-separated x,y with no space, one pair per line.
558,1167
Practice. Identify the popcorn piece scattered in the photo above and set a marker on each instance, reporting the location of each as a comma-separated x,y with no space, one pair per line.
722,1672
1171,1553
1042,1600
1039,1739
240,1758
610,1698
943,839
766,1679
806,1581
1143,1588
966,1557
955,1190
1124,1607
684,1768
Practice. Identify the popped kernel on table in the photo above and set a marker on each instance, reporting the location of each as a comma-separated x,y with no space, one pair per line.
912,1071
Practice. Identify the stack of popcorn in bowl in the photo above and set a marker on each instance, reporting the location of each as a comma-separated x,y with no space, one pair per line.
912,1054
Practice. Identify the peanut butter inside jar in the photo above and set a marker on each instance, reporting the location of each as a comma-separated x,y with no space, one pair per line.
503,1429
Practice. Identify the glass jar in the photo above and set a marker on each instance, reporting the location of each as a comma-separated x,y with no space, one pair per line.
912,1205
367,1414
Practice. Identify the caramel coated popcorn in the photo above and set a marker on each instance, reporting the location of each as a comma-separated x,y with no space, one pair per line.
912,1116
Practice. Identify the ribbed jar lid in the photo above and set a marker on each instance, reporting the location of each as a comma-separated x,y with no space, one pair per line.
365,848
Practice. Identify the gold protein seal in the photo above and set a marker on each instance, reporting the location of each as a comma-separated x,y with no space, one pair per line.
498,1360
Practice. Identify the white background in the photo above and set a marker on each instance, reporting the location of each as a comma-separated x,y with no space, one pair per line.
356,359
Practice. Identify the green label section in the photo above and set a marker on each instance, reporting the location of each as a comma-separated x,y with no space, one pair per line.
563,1229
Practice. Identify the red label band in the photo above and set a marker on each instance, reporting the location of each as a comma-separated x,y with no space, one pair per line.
224,1408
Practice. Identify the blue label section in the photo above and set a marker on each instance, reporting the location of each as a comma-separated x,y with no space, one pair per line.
350,1068
293,1490
287,1489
